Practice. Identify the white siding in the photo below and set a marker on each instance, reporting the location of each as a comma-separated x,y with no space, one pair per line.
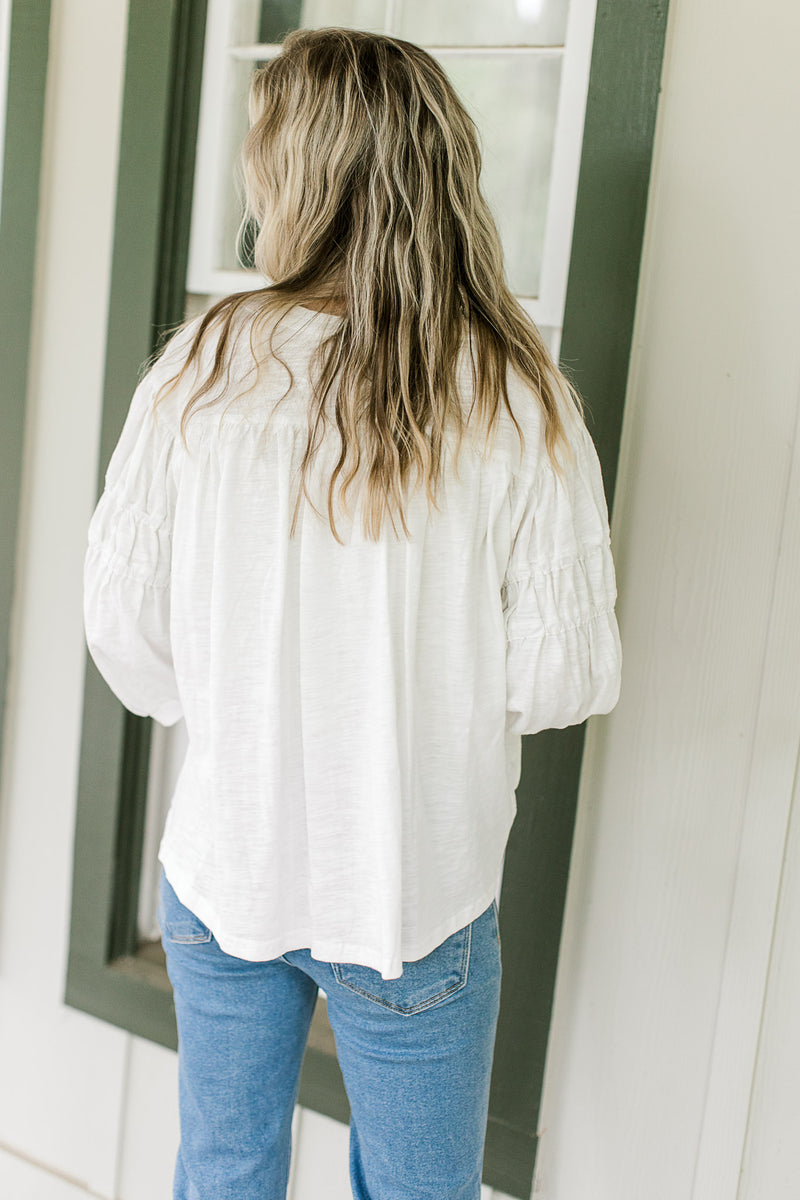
771,1165
687,785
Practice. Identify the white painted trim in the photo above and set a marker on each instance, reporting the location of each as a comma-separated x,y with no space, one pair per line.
211,281
209,132
23,1178
167,753
763,838
565,166
206,198
771,1160
5,51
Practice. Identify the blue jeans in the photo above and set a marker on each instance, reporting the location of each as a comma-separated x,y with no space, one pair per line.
415,1053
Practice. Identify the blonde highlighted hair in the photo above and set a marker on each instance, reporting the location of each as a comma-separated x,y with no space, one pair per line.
361,171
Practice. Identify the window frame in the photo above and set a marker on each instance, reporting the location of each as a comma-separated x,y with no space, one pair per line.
105,975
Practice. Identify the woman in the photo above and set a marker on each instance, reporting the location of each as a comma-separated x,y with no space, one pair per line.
354,693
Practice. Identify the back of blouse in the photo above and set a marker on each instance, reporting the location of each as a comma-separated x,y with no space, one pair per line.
354,711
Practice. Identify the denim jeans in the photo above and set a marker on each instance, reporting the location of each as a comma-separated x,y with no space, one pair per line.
415,1053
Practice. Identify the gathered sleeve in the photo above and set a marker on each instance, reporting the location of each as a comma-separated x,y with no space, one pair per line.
128,563
564,655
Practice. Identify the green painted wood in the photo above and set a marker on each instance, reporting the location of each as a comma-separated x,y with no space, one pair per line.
622,100
531,915
19,209
277,17
161,95
151,238
508,1157
614,179
322,1086
129,837
175,215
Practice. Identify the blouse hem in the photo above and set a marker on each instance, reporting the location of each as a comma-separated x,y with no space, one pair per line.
322,950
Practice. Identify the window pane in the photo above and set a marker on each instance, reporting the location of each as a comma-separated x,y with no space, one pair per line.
513,100
235,131
476,22
351,14
511,92
444,23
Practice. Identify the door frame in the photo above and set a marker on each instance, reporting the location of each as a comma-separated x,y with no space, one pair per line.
21,147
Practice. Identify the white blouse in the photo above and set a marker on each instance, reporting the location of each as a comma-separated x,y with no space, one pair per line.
354,711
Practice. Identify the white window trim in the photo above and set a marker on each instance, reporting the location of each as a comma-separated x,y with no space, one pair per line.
5,51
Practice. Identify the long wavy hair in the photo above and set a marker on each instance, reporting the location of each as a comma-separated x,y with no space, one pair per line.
361,176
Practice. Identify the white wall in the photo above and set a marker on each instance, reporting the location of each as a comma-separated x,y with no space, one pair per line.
63,1073
658,1083
687,785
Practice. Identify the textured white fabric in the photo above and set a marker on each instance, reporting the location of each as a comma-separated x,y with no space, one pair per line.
354,711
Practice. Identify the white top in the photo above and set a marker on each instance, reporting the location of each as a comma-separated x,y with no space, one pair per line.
354,712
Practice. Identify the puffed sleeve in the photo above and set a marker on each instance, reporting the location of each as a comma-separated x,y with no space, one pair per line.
564,655
127,566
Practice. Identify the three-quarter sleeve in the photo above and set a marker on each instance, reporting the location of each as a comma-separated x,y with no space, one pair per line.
564,655
127,567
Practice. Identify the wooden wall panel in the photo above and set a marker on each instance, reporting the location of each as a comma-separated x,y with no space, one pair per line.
686,785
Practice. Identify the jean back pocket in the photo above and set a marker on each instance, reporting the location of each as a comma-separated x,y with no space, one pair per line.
424,983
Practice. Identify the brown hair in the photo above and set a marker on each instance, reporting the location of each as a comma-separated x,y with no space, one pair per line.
361,172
